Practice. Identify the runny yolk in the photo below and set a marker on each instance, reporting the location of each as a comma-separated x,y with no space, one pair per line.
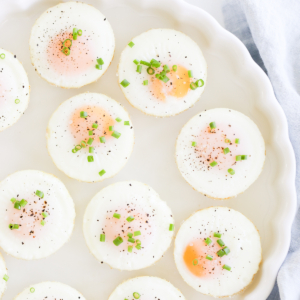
195,258
211,144
178,85
81,58
80,127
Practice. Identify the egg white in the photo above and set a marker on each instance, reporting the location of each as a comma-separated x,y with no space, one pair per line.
238,233
148,287
110,156
3,272
50,291
213,182
97,41
167,46
58,228
14,85
132,195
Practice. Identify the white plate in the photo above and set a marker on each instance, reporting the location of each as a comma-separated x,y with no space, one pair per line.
234,81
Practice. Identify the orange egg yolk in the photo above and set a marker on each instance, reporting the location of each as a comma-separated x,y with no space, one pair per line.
195,258
212,142
81,58
178,85
81,127
121,227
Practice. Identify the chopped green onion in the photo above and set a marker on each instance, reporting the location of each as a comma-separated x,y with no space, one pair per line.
102,237
244,157
116,134
155,63
118,241
194,144
237,141
209,257
67,43
145,82
130,249
125,83
220,242
75,36
23,202
142,62
193,85
174,67
90,141
74,150
39,194
131,44
195,262
165,79
5,277
11,226
226,250
13,200
139,247
75,30
217,234
136,233
136,295
44,214
136,61
212,125
139,69
129,234
238,157
213,164
130,219
79,32
90,158
226,267
17,101
199,83
100,61
131,240
16,226
17,205
99,67
126,123
221,253
150,71
231,171
66,51
171,227
118,119
226,150
227,141
102,139
2,55
117,216
166,68
208,241
83,144
91,149
102,172
43,222
91,132
32,290
138,242
190,73
77,147
83,114
111,128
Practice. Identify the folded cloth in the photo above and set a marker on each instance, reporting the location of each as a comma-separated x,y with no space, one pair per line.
270,29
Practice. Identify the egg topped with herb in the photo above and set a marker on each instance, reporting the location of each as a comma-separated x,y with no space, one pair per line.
71,44
128,226
36,214
3,275
50,291
218,251
14,89
90,137
220,152
162,72
146,287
